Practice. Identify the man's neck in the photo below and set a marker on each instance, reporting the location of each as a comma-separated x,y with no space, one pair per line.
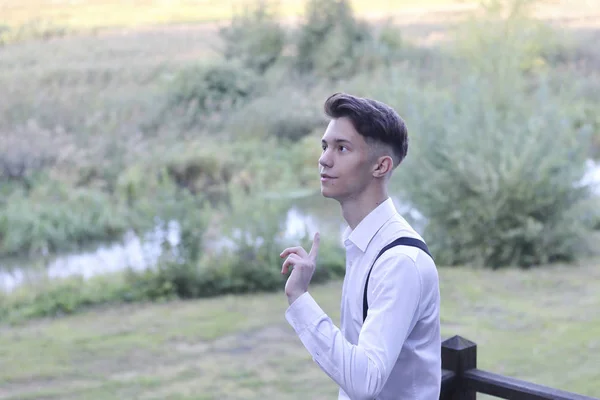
356,209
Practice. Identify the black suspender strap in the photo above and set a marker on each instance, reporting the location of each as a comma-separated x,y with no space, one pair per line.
403,241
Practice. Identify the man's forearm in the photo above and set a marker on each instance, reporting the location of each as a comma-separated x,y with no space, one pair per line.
340,360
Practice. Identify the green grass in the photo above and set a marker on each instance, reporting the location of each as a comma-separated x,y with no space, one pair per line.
540,325
99,14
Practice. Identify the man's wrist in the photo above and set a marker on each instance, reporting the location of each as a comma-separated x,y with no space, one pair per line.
292,297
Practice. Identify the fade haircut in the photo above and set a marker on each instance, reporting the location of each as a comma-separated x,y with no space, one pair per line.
377,122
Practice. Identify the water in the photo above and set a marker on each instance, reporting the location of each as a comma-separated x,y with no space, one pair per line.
592,176
306,217
132,252
138,253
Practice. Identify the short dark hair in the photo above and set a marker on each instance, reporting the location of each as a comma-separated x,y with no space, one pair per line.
372,119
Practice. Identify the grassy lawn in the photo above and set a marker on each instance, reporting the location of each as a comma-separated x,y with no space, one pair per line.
542,326
96,13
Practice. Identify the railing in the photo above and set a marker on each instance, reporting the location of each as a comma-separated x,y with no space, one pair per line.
461,380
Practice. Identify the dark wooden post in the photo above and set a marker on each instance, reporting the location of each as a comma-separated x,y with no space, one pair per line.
458,356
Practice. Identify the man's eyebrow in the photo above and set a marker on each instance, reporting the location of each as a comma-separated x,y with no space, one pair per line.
323,141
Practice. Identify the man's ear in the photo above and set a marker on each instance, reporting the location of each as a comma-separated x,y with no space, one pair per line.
384,165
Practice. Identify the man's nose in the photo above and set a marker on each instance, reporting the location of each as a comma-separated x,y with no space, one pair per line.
325,159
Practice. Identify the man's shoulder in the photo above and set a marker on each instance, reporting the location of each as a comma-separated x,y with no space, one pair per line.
398,227
398,222
395,228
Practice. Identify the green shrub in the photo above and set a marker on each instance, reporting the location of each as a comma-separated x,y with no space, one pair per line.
29,149
53,217
496,180
198,166
255,37
147,285
289,113
333,44
63,296
330,39
207,91
512,41
252,229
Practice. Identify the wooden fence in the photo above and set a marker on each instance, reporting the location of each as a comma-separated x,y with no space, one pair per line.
462,380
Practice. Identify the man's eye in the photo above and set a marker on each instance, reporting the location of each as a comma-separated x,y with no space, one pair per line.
342,148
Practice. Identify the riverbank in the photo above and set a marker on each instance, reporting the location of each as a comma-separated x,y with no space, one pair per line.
540,325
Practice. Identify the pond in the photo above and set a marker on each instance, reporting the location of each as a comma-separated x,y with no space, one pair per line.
133,251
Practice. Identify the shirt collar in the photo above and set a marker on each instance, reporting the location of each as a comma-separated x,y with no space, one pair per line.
362,235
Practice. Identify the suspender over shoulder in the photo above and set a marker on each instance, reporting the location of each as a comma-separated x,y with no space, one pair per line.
403,241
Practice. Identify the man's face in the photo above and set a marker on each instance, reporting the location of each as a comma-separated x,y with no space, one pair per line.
345,163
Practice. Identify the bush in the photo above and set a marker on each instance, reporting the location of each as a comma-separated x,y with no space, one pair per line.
241,253
288,114
29,149
202,171
53,217
209,91
513,42
255,37
65,296
330,39
496,181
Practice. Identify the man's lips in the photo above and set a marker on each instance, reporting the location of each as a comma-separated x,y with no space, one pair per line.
325,177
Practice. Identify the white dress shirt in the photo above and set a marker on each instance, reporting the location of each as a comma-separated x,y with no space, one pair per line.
396,354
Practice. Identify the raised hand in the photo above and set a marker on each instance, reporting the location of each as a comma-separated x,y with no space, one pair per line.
303,267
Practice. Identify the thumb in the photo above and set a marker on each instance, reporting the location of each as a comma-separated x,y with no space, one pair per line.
315,246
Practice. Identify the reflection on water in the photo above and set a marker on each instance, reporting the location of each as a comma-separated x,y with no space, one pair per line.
133,252
592,176
306,217
138,253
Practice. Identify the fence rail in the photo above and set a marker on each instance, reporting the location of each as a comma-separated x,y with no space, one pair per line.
462,380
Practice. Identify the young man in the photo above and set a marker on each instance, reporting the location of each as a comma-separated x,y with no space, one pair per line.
396,352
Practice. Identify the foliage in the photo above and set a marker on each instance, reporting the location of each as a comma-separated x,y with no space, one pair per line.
496,180
329,40
255,37
290,113
513,43
20,162
250,233
207,91
53,217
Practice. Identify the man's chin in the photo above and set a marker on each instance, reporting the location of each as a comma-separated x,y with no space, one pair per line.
327,193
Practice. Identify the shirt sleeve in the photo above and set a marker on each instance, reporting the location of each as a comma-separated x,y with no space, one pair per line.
362,370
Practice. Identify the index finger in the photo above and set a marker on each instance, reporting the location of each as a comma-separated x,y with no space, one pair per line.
315,246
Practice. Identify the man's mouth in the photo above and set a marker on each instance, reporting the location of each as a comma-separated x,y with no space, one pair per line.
325,177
